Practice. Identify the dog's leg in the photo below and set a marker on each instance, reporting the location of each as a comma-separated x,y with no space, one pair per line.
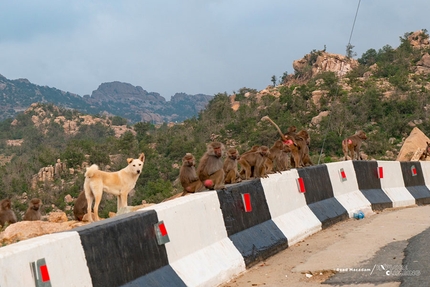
98,197
122,200
89,196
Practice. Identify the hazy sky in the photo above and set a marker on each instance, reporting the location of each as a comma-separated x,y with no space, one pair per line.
190,46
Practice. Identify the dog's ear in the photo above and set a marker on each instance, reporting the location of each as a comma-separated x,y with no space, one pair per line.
129,160
142,157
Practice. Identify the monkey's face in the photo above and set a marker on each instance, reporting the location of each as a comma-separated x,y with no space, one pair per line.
217,152
35,207
189,162
362,135
264,151
5,204
233,156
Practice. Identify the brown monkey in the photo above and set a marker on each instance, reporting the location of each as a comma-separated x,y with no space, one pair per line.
7,216
297,142
33,210
230,166
254,148
275,161
188,176
80,207
256,160
284,158
211,166
352,145
303,140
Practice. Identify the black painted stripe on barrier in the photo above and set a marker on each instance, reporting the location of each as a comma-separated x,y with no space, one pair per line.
329,211
121,249
163,277
259,242
370,185
253,233
320,197
415,184
235,218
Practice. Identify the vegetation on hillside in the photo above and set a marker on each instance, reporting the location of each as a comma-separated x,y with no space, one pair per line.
386,118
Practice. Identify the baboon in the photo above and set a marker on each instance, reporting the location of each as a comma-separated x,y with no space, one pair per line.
7,216
256,160
230,166
303,140
284,158
211,166
33,210
278,158
188,176
352,145
254,148
80,207
297,142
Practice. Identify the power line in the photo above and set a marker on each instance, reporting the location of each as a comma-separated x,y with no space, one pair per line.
337,89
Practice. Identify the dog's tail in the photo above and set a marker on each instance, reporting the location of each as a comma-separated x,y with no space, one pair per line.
90,171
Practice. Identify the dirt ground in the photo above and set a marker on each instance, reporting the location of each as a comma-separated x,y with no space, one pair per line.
343,245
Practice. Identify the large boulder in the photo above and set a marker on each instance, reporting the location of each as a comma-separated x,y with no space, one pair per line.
414,146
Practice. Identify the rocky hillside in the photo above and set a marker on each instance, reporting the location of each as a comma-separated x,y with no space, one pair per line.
115,98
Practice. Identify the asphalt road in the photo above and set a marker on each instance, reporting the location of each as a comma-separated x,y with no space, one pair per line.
387,249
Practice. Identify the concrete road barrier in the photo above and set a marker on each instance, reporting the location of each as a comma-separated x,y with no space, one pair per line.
207,238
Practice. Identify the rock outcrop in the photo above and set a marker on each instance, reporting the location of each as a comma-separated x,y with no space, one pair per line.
413,146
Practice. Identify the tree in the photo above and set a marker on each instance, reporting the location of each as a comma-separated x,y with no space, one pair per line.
274,80
349,52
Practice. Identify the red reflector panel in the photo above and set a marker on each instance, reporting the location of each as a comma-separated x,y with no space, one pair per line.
342,174
44,273
414,170
380,172
301,185
163,230
161,233
246,198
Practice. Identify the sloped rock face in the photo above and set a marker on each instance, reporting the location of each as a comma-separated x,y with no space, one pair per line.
423,65
318,62
413,145
136,104
419,40
113,98
124,93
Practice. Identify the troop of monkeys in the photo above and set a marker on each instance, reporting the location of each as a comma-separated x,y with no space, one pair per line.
214,171
7,216
291,151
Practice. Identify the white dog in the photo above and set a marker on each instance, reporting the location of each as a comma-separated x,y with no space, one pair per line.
118,183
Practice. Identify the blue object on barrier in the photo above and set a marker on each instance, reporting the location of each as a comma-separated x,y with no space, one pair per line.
359,215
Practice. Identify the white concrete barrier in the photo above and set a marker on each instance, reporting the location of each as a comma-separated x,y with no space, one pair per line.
288,206
61,252
345,188
199,250
393,185
425,165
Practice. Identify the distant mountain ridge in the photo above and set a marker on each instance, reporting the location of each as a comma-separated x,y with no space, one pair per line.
113,98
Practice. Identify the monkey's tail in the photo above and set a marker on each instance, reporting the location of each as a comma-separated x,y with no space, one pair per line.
91,170
266,118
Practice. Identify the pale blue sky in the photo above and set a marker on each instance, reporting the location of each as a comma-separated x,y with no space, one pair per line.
190,46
